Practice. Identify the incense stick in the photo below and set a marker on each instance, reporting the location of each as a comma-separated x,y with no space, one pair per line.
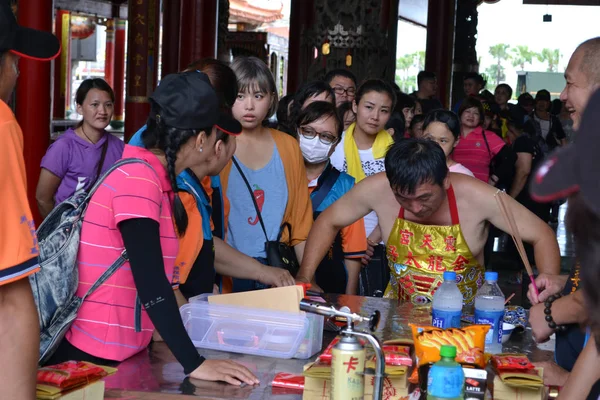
509,298
514,233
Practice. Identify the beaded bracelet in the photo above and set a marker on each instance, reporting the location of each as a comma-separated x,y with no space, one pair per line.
548,312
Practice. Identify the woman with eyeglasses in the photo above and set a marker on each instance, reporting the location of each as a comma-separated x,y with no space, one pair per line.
319,130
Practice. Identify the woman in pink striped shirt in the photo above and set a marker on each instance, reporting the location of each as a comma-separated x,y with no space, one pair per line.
134,210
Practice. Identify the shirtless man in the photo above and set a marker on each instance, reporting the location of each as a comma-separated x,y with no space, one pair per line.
431,220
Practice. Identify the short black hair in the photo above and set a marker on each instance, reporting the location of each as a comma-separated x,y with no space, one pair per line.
525,98
317,110
507,87
424,76
405,101
447,118
478,78
375,85
412,162
283,117
339,72
343,108
307,91
417,119
398,124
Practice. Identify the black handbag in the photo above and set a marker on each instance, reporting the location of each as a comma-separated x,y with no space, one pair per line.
280,255
502,165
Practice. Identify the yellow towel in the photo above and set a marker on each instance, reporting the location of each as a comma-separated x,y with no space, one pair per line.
382,143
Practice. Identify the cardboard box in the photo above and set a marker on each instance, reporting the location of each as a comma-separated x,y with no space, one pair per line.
394,388
475,383
504,392
93,391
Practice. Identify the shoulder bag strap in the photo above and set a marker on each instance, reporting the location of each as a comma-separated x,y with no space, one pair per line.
108,273
101,162
330,177
487,144
118,164
262,224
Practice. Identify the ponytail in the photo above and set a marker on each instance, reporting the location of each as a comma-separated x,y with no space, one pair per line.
169,140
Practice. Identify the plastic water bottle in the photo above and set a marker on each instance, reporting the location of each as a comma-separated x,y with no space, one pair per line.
489,309
447,303
446,379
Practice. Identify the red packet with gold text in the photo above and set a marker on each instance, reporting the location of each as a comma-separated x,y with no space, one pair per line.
69,374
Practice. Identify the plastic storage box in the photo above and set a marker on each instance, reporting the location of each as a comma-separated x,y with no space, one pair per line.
255,331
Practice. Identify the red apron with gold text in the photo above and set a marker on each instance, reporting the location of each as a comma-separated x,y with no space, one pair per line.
418,255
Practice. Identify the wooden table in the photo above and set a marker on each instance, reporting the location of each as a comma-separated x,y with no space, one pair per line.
155,374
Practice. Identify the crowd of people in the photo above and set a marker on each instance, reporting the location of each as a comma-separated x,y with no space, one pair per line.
376,192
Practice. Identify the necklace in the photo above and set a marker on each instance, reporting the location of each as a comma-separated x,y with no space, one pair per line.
85,134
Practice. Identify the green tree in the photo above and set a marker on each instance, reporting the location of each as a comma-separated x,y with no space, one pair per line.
497,72
522,55
550,56
419,60
403,64
500,54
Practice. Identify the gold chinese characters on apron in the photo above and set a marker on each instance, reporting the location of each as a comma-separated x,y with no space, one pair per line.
418,255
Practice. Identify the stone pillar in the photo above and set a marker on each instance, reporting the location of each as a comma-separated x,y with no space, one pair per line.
109,58
198,30
62,65
440,45
465,54
142,39
119,69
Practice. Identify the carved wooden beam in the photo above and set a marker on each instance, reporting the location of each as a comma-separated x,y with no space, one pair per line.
106,9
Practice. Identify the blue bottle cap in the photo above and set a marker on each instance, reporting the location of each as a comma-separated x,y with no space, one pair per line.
450,276
491,276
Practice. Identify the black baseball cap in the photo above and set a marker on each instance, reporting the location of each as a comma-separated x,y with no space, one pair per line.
575,167
187,100
25,42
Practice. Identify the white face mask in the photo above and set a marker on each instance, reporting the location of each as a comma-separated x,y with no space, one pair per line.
313,150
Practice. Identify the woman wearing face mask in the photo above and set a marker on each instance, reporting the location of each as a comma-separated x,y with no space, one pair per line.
265,158
319,130
361,153
80,155
443,127
203,250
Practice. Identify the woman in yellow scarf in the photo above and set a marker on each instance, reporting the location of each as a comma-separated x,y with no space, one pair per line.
361,153
365,142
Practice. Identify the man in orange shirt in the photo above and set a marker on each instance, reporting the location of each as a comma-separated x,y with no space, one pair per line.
19,330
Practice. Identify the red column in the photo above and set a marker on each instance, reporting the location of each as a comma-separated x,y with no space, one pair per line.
171,26
440,44
301,15
119,69
142,38
33,95
199,21
109,58
62,65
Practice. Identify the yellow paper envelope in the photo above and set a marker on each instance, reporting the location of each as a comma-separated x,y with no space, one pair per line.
279,299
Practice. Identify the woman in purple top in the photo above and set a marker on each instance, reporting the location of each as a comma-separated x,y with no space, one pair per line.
72,162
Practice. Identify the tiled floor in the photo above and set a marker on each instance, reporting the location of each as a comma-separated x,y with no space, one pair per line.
508,268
